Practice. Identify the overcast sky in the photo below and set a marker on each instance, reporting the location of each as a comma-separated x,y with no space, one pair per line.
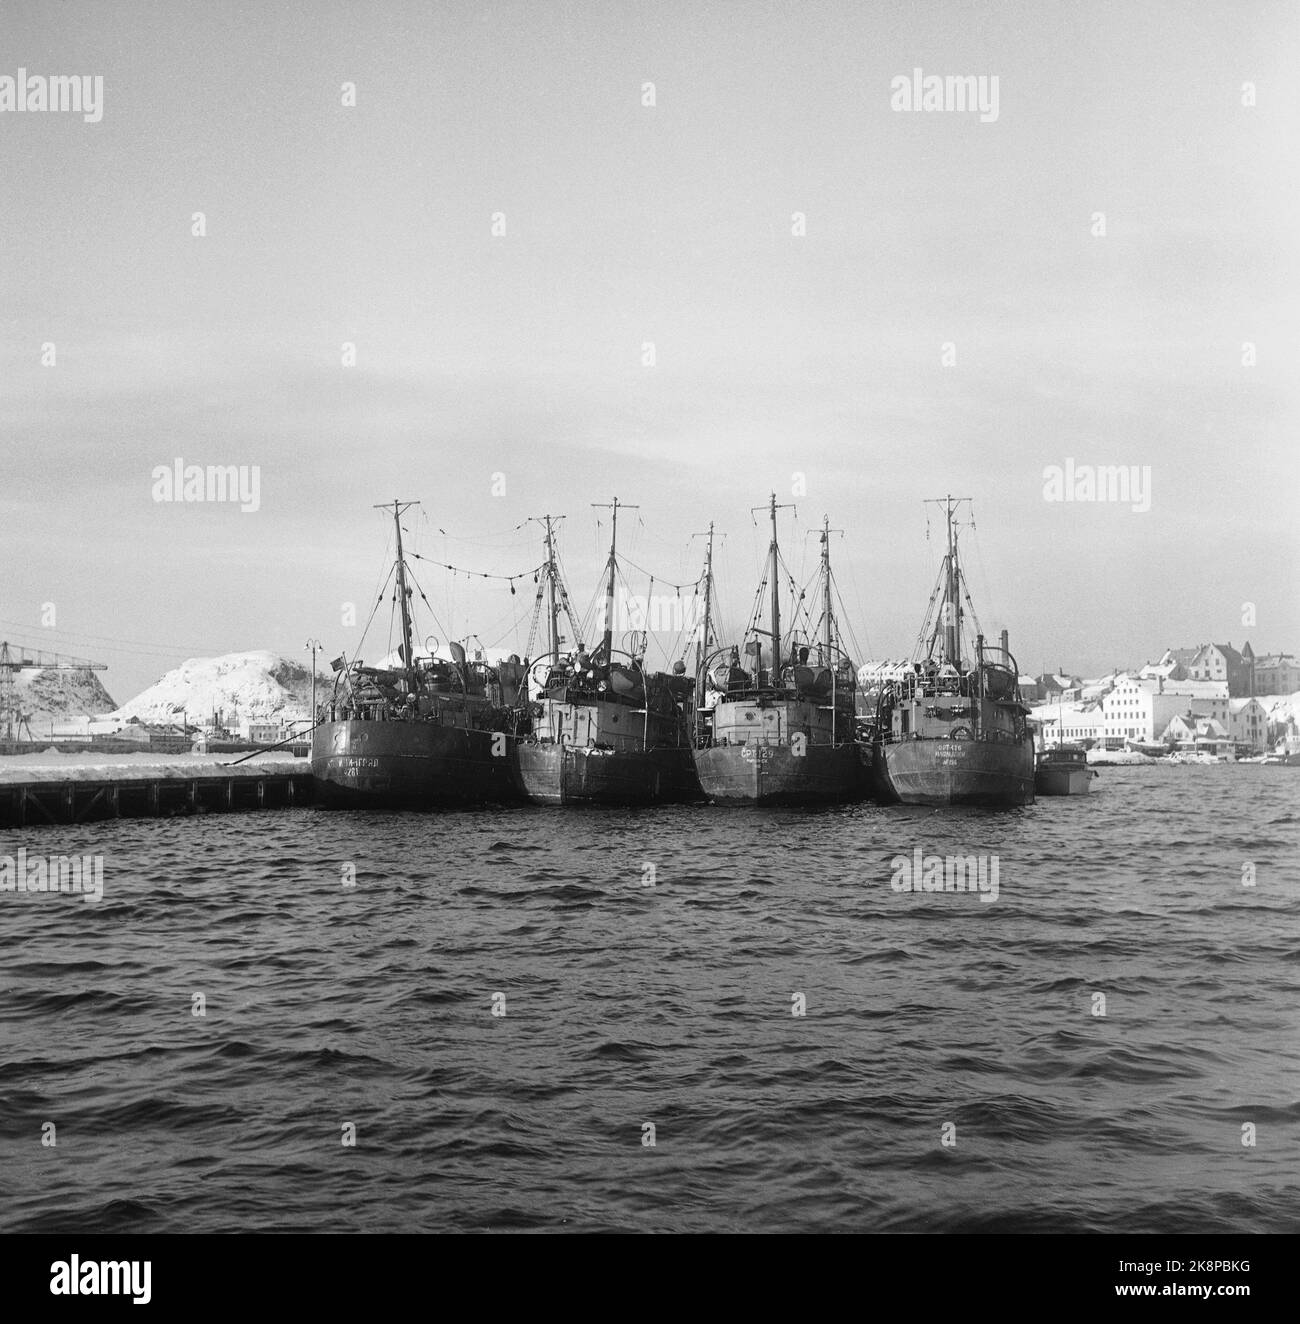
521,354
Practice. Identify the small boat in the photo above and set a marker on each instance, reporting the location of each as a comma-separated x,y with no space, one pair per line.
1151,749
1286,753
949,731
415,732
1063,770
599,728
784,733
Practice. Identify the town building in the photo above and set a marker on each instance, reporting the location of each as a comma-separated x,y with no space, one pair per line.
1248,725
1052,685
1138,707
1071,724
1198,735
1277,673
259,731
1217,662
1030,690
1136,710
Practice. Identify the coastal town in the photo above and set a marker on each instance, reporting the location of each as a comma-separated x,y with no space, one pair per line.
1213,701
1208,702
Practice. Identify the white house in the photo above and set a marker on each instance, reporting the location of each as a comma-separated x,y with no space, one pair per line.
1199,735
1248,724
1070,724
260,731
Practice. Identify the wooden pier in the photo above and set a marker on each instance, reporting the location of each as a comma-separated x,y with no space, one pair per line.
149,793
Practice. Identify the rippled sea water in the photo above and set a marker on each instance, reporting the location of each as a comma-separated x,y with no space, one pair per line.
635,997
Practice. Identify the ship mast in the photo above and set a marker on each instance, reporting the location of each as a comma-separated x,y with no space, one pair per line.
827,631
702,647
552,609
952,604
403,593
607,644
557,596
774,573
776,601
951,615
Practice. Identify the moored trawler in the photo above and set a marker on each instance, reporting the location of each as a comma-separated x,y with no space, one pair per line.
421,733
601,730
780,734
947,732
605,734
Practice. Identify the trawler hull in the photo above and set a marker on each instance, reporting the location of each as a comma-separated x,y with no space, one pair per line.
756,774
407,765
554,774
955,772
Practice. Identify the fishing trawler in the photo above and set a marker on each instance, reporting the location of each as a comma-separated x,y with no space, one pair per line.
415,732
780,733
950,730
602,729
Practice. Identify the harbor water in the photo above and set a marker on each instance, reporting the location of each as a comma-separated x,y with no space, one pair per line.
684,1018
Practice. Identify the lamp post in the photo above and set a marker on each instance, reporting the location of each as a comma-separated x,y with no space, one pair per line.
316,646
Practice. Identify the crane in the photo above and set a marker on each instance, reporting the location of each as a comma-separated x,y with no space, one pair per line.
21,658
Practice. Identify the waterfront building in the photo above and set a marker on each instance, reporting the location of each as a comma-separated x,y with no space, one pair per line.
1248,724
1217,662
1277,673
1199,735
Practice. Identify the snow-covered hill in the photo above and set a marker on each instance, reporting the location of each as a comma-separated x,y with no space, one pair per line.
54,696
236,686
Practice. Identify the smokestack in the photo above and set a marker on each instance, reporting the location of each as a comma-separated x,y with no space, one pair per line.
1005,649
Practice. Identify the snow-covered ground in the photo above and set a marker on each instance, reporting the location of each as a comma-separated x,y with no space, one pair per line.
51,765
1117,757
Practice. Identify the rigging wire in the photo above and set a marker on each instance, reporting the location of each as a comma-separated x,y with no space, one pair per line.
478,574
446,634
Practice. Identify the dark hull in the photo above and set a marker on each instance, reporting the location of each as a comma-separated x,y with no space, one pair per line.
956,772
552,774
1062,780
407,765
775,775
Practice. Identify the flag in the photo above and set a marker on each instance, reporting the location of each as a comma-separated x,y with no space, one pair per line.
338,664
